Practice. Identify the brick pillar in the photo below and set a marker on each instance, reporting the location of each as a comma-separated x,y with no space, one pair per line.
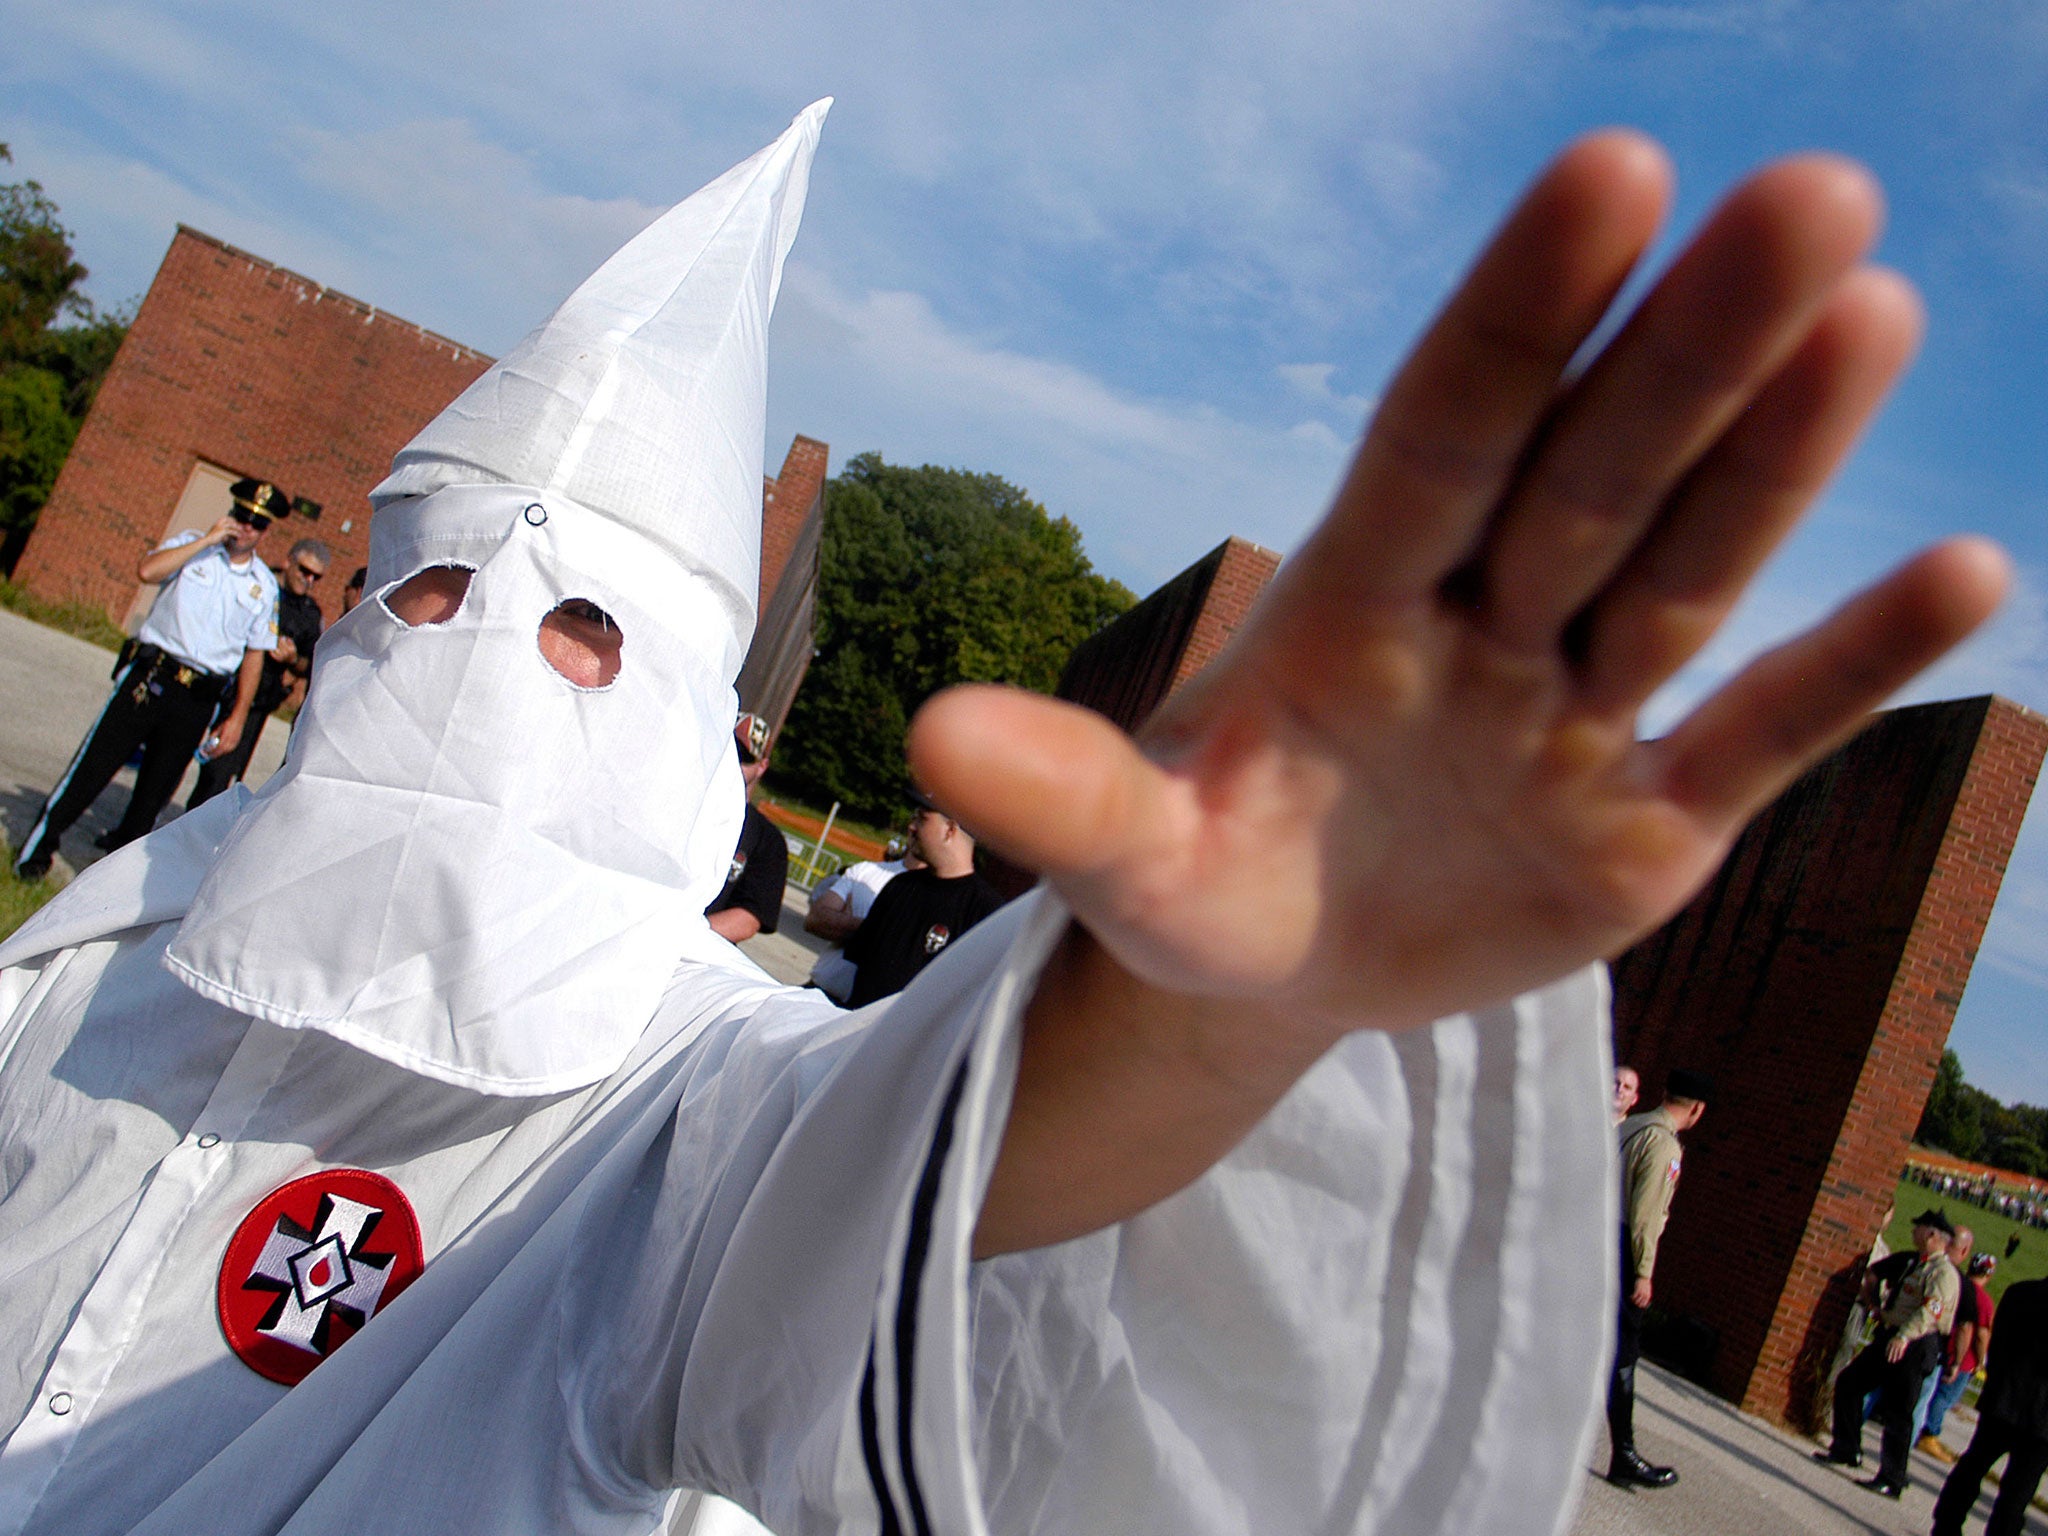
1242,571
790,499
1816,978
1129,667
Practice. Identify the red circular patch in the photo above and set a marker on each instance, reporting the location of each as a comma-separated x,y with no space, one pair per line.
311,1265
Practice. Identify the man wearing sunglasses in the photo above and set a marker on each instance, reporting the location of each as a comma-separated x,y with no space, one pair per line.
285,665
207,635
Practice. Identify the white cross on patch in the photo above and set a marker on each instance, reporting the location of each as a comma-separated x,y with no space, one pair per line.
318,1270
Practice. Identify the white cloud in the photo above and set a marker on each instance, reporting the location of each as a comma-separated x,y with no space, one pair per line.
127,40
495,248
1153,484
2017,193
1311,381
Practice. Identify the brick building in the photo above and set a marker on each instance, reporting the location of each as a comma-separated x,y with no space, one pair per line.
1816,978
1127,669
235,366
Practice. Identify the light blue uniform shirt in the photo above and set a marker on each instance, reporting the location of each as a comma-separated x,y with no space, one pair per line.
213,610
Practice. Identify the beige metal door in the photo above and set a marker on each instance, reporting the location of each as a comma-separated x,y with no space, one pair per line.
205,502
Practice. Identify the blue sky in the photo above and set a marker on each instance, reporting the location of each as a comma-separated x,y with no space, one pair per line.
1154,270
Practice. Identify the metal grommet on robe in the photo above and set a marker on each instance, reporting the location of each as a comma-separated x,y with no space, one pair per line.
535,514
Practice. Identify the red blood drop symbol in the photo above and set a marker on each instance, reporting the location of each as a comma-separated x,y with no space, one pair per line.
317,1275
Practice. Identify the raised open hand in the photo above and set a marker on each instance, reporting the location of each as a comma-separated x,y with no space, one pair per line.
1413,784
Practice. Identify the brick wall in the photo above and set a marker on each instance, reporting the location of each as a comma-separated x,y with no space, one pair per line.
1816,978
261,371
788,501
1126,669
235,361
1241,575
792,534
1129,667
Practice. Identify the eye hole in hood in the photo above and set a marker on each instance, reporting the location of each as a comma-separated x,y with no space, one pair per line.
582,642
431,596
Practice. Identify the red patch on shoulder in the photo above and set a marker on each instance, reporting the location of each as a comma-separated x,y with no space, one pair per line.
311,1265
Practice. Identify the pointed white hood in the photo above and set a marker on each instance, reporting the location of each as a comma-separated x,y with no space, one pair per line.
469,865
643,397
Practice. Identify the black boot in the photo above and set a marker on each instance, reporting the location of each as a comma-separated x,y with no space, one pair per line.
1627,1469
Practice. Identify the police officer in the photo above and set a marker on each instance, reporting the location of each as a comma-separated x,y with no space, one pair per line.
1910,1329
285,666
211,626
1650,1158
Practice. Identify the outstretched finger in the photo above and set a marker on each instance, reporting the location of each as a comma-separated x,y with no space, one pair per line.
1461,413
1748,493
1715,329
1761,730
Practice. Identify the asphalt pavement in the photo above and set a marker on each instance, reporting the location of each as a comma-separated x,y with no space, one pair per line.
1738,1476
52,687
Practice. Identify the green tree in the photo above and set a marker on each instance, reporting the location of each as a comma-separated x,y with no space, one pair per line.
1953,1119
928,577
38,276
2018,1154
35,434
49,372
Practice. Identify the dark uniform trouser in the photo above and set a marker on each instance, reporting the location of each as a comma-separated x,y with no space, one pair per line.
1994,1438
217,773
1628,1349
152,709
1898,1393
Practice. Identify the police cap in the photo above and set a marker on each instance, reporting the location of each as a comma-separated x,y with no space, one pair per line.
258,500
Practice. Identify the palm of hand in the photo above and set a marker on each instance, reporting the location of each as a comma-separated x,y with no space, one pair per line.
1419,822
1413,785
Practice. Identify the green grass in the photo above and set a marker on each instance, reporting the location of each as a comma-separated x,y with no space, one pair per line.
19,898
2029,1261
85,620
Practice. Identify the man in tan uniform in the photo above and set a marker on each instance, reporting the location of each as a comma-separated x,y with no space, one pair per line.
1650,1157
1910,1328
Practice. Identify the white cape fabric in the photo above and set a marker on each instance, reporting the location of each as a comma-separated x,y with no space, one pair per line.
468,865
740,1264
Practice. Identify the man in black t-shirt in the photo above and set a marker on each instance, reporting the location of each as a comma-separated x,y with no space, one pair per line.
751,902
921,911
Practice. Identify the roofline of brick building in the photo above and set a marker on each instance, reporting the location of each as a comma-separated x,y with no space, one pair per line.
323,294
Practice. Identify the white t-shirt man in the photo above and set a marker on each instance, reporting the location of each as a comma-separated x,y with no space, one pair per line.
857,885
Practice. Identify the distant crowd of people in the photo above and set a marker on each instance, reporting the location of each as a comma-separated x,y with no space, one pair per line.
2028,1205
885,919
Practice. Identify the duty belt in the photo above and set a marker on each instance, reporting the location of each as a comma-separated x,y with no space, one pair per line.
156,668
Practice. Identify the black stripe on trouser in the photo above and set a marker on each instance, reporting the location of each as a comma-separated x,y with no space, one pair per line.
916,1250
122,679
